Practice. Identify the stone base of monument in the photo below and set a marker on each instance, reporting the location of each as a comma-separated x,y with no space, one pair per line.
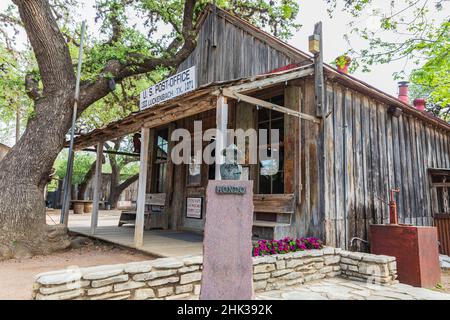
227,243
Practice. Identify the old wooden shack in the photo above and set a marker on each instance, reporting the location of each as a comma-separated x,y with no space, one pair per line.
342,151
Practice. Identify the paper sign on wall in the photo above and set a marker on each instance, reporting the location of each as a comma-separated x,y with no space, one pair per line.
194,208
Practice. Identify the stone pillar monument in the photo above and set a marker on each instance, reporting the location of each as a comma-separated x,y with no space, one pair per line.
227,244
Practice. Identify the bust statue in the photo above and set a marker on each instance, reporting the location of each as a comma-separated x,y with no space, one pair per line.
231,170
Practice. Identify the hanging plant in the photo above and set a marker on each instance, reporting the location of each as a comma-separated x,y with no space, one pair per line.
342,62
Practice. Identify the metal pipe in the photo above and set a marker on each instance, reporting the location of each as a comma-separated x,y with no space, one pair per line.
393,216
356,238
64,219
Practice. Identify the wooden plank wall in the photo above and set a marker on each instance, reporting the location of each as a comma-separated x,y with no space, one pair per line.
307,219
368,152
249,56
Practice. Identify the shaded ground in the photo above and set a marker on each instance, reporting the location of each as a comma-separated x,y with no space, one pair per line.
445,281
162,243
16,276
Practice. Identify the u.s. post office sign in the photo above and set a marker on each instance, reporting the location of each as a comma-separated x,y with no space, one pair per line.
172,87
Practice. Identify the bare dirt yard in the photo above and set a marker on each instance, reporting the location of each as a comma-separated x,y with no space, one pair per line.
445,280
17,276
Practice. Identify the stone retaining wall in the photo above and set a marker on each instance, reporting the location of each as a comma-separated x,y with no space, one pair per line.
281,270
368,267
166,278
179,278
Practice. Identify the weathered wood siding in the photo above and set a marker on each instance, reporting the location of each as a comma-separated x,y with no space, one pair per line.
367,153
237,53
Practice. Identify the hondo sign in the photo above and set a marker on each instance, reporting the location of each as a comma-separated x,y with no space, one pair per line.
172,87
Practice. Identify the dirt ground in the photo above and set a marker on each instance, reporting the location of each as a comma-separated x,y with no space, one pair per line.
445,280
16,276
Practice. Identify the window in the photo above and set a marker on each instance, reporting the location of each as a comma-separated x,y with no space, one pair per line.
271,174
161,160
440,183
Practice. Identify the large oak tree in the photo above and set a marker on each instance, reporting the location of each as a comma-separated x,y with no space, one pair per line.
125,53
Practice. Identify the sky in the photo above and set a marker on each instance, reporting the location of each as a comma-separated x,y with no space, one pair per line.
333,30
311,11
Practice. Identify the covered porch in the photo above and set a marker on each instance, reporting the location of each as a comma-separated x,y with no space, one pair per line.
158,243
241,103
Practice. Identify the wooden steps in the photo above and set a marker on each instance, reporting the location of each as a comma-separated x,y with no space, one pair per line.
272,215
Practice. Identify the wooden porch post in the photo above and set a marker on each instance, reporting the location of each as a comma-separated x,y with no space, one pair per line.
97,186
221,134
139,225
66,199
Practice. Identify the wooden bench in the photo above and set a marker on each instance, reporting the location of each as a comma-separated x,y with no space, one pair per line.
277,209
154,207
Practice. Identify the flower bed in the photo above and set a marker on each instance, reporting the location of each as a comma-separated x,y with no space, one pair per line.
285,245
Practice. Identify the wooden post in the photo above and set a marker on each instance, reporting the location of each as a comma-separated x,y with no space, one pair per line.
292,138
67,194
169,186
319,85
221,134
139,225
97,186
321,111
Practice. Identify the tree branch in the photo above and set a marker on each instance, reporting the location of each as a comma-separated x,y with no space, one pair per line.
126,183
138,65
49,45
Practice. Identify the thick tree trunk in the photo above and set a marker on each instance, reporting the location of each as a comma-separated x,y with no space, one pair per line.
25,169
118,189
23,175
83,185
115,178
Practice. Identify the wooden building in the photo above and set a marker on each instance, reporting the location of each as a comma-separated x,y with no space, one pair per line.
342,148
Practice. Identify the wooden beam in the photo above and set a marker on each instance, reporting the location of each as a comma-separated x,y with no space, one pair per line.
271,80
134,122
168,190
221,133
293,138
183,111
97,186
121,153
139,225
441,185
319,83
268,105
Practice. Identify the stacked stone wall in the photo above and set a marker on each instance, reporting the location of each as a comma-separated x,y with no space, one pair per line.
180,278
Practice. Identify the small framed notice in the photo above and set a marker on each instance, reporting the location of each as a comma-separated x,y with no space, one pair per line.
194,208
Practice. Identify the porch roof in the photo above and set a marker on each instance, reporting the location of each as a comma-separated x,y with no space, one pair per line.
203,99
197,101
